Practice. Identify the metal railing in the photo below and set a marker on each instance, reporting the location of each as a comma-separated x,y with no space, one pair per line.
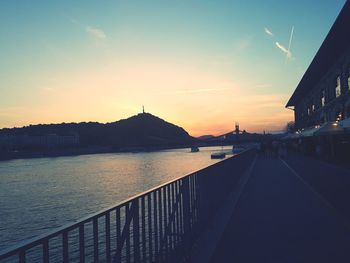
159,225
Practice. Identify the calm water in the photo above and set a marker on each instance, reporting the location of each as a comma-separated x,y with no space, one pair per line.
37,195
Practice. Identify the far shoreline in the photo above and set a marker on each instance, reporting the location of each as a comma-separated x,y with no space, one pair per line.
15,155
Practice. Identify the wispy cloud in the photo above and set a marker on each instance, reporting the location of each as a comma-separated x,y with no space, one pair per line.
290,42
74,21
243,43
201,90
284,50
268,31
260,86
96,32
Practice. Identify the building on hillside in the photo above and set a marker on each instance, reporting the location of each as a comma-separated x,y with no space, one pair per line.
323,94
48,141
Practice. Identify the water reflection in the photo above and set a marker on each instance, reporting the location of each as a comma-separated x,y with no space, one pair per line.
41,194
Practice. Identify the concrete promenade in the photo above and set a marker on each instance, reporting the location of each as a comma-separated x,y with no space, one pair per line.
295,209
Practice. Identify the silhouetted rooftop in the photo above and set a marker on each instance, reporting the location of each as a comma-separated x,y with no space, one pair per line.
334,45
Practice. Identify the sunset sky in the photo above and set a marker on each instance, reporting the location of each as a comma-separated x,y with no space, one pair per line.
202,65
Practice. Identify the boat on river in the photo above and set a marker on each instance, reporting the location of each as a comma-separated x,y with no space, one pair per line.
218,155
194,149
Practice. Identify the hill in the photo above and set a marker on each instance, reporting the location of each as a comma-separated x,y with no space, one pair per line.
142,130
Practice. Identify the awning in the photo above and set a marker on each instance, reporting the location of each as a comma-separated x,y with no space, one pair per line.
345,123
330,128
309,132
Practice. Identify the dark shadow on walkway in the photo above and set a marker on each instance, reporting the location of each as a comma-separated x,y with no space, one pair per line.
280,219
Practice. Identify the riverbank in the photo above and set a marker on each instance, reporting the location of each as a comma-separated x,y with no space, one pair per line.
82,151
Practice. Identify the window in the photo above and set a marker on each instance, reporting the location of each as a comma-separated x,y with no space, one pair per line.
338,88
313,107
323,98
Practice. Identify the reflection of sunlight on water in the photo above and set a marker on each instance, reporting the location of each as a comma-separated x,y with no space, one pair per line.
40,194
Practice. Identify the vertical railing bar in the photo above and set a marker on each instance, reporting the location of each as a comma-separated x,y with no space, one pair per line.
178,208
166,234
181,210
195,187
108,236
143,227
195,197
160,213
198,198
193,200
170,221
118,234
65,246
155,220
149,206
22,256
136,230
95,238
46,256
82,243
174,208
127,215
187,212
190,192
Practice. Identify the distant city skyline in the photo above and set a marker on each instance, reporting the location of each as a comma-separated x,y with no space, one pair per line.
200,65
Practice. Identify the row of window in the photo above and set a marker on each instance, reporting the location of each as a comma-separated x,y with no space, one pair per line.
322,102
333,116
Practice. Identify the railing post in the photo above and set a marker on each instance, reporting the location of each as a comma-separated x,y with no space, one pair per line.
186,213
136,230
95,238
150,236
46,251
160,215
22,256
143,227
155,219
65,246
165,238
82,243
118,234
108,237
128,214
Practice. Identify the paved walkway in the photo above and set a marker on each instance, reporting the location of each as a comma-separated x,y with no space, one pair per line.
280,218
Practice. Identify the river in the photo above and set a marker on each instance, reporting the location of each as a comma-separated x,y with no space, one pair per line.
38,195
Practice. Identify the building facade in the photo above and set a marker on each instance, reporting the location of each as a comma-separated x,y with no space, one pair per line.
323,94
48,141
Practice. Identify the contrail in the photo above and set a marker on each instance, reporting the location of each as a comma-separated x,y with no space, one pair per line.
290,42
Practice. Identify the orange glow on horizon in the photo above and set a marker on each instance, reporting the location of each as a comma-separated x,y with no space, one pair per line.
201,101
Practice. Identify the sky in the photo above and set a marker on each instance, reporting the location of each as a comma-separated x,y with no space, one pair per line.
202,65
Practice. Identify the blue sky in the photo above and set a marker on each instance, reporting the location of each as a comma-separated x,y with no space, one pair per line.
200,64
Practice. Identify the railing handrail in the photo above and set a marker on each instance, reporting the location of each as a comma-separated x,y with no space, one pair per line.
32,242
